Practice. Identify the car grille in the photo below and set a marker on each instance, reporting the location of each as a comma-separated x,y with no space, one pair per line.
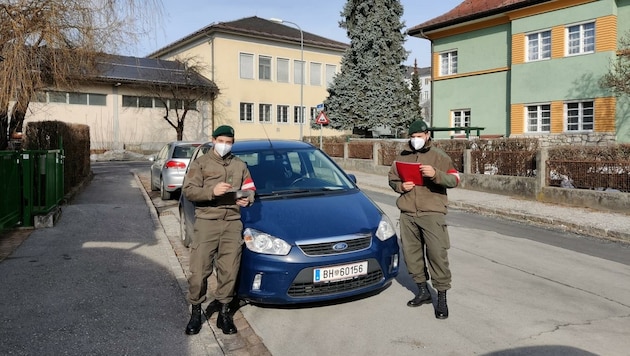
312,289
354,242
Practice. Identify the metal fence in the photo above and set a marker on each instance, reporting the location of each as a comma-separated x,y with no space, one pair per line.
10,191
33,185
508,163
597,175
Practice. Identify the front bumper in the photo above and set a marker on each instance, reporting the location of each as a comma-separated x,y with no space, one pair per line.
288,279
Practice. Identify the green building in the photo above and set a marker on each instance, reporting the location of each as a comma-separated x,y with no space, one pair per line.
528,68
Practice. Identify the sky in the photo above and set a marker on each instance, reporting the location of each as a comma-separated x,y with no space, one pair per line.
183,17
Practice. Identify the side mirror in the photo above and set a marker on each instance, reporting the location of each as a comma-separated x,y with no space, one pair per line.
152,159
353,178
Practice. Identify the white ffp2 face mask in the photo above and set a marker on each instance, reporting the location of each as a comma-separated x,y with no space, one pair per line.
222,148
417,143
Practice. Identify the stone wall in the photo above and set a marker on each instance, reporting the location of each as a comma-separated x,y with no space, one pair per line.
584,139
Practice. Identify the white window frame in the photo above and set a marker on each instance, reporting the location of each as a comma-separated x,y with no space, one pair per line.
264,67
580,38
331,71
282,70
246,112
448,63
264,113
538,118
282,114
538,46
581,114
298,115
461,120
298,72
246,66
316,74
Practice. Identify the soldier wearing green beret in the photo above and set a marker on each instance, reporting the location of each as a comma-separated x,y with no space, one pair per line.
210,183
422,203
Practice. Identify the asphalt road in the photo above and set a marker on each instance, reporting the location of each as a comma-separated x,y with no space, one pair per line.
517,290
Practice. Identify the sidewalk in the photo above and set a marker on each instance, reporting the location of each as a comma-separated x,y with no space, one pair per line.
600,224
102,281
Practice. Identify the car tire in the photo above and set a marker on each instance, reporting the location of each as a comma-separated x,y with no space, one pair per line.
164,194
153,186
186,238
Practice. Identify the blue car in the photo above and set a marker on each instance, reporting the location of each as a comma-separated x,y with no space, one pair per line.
311,235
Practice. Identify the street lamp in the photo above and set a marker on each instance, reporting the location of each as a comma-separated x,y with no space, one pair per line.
301,111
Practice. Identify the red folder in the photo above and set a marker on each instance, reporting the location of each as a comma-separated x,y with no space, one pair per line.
409,172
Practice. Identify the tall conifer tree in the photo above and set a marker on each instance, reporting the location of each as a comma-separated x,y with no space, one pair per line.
370,90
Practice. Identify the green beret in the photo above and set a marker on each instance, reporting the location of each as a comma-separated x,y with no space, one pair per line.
418,126
223,130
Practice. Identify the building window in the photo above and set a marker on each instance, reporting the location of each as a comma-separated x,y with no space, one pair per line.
247,112
314,113
97,99
246,66
157,102
39,97
539,46
282,71
538,118
461,118
298,72
581,38
427,81
448,63
264,68
145,102
283,114
264,113
580,116
331,70
77,98
298,115
316,74
191,104
57,97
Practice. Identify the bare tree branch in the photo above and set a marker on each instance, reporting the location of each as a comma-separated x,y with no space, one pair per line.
53,43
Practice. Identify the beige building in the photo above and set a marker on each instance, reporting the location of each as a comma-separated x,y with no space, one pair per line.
257,65
254,63
121,104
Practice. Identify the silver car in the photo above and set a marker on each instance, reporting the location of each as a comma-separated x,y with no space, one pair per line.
169,167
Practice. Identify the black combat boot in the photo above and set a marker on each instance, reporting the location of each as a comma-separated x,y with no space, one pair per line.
194,325
423,296
441,310
224,320
212,308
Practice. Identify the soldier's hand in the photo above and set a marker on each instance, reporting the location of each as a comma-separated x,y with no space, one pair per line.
408,186
242,202
427,171
221,188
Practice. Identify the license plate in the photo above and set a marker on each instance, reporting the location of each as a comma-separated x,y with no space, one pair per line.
335,273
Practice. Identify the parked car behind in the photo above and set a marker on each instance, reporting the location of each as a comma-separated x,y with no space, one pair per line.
169,167
311,235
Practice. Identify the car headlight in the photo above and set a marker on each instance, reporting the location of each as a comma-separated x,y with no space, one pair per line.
385,229
260,242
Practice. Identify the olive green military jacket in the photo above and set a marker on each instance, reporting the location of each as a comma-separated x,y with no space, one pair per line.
204,173
429,198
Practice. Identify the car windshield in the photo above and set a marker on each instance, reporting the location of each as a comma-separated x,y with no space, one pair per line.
279,172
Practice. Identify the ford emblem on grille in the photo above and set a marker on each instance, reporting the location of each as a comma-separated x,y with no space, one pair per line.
340,246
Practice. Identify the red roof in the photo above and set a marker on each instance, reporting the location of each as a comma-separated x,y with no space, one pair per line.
471,10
